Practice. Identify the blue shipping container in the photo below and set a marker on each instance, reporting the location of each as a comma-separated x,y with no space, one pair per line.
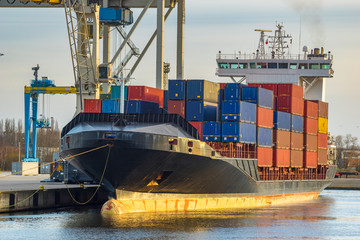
116,92
166,99
239,132
201,111
202,90
297,123
262,97
220,101
264,137
282,121
110,106
212,131
239,111
232,93
235,85
177,89
134,106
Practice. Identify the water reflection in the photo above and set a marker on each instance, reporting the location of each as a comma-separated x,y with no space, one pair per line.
333,216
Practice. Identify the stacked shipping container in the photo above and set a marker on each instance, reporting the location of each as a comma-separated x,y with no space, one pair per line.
287,131
310,134
322,132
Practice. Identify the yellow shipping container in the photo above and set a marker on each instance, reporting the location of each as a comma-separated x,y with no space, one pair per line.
322,125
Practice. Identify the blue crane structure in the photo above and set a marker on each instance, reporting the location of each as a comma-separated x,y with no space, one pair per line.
31,96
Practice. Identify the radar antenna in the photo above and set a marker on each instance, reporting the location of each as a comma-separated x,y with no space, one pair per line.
278,42
260,52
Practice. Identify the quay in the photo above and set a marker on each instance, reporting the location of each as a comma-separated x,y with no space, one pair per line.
21,193
345,184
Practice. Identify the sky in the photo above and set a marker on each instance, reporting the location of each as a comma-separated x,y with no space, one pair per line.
39,36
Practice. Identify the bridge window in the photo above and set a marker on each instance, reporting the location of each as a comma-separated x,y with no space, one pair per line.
314,66
272,65
324,66
234,66
261,65
303,66
223,65
243,65
252,65
283,65
293,65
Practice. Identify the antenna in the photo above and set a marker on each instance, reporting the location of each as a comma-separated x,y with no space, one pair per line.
260,52
300,36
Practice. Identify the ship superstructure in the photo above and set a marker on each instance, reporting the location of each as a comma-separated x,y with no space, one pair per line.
275,64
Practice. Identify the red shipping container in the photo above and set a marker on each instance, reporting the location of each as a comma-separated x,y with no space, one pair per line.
296,158
146,94
281,157
264,117
311,109
271,86
275,103
281,139
310,142
323,110
322,140
310,126
199,127
92,105
177,107
310,159
264,157
255,84
290,90
297,141
322,157
292,105
222,85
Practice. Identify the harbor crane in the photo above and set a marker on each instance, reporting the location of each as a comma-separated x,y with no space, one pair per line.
31,97
84,19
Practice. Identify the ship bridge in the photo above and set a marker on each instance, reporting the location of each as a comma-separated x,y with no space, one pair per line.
308,69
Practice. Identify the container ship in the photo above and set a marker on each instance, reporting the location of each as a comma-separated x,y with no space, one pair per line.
200,145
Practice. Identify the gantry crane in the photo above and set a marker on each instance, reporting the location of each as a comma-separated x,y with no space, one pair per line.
84,19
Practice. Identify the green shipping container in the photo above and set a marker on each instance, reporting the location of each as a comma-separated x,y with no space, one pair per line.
105,96
116,92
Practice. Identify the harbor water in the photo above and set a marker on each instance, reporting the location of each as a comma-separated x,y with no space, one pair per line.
334,215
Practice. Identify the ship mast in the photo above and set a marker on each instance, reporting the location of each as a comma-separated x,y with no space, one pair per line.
260,52
278,43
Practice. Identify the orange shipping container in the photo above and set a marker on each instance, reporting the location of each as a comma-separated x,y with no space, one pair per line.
310,142
92,105
281,139
281,157
311,109
264,157
264,117
322,141
322,156
310,159
297,141
296,158
310,126
144,93
323,108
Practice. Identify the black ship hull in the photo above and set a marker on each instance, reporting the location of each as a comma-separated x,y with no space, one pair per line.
132,157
